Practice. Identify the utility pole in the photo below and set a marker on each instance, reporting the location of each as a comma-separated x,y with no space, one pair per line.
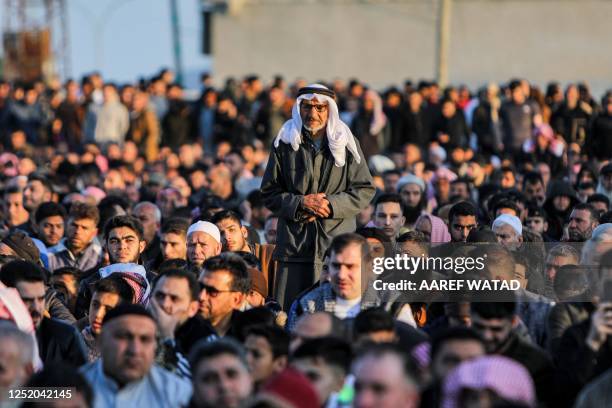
176,41
443,41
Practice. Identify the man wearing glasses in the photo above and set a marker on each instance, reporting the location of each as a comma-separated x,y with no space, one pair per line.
224,286
317,181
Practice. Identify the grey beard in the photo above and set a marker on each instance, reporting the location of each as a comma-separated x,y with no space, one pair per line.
313,130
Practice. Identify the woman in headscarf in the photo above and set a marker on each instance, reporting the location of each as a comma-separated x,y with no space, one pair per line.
370,125
434,229
545,147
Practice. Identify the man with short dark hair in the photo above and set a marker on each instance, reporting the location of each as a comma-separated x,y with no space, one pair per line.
108,293
80,248
259,211
49,223
390,179
600,202
374,325
233,234
14,211
124,239
220,374
225,284
37,191
343,295
57,341
326,362
461,189
267,352
126,373
65,282
534,188
449,348
174,303
506,206
270,229
586,190
537,221
388,215
462,218
495,323
584,218
384,378
173,239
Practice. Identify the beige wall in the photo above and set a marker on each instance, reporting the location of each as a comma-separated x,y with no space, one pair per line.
385,42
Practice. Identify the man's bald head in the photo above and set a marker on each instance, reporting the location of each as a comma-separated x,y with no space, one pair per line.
150,217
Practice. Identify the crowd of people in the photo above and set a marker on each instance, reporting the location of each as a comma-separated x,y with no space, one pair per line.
219,252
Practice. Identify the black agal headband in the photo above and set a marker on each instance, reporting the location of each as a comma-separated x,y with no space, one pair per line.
313,90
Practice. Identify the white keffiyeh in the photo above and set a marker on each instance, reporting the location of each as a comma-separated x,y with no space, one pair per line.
339,136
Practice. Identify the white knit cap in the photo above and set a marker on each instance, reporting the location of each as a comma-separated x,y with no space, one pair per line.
511,220
207,227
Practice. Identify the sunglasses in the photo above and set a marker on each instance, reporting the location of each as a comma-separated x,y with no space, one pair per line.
212,291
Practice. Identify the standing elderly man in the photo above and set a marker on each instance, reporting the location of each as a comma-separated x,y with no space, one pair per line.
317,181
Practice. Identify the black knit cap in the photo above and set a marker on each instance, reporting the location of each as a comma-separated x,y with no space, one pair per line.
23,246
482,235
535,211
125,310
315,90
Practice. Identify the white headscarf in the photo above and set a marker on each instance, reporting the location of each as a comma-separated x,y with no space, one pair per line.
339,136
379,119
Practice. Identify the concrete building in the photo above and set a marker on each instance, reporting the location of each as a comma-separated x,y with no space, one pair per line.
385,42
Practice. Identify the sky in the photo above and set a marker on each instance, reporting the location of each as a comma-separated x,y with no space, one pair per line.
127,39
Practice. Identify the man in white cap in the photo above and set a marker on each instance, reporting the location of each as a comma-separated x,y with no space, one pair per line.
317,181
509,231
203,242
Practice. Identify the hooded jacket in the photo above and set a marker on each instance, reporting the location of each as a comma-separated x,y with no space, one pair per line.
557,219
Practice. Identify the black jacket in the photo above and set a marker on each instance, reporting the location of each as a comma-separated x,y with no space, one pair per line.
557,219
59,342
536,361
455,127
416,130
194,329
600,142
152,250
577,363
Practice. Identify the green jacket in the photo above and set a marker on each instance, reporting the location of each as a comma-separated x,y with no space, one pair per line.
290,175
